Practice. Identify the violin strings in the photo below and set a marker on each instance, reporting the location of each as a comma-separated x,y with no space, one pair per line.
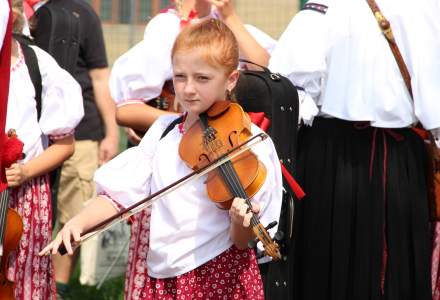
241,192
4,207
231,178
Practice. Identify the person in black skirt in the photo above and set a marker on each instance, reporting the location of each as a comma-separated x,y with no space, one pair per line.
362,231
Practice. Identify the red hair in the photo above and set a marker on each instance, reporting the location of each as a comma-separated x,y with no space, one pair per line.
217,41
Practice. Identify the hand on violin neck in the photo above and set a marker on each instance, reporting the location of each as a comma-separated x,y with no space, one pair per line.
241,228
240,212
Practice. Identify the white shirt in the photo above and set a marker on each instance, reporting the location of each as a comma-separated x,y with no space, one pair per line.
186,228
347,69
61,104
4,17
140,73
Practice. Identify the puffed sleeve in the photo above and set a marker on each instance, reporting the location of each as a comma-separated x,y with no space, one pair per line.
265,40
140,73
4,16
125,179
269,196
62,102
300,55
420,39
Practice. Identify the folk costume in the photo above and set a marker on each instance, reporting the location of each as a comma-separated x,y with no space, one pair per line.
61,111
190,252
5,65
140,76
362,231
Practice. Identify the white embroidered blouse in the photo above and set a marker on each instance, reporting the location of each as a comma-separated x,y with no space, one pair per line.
186,228
61,108
347,70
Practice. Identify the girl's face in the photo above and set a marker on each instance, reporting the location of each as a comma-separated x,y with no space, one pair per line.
197,83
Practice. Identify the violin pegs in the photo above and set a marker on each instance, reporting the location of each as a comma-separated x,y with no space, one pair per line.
271,225
253,243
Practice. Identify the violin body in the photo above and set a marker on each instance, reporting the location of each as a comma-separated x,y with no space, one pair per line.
12,234
223,127
232,127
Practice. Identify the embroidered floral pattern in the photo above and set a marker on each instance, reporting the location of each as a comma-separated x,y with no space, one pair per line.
55,137
20,60
130,101
234,274
435,264
135,278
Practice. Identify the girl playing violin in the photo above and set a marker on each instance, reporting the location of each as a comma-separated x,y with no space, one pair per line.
197,250
143,75
61,110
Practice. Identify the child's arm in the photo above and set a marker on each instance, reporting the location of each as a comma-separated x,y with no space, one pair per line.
108,147
52,157
249,47
96,211
138,116
240,230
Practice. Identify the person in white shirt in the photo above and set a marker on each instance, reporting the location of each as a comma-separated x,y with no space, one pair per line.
195,249
140,75
143,75
61,111
362,231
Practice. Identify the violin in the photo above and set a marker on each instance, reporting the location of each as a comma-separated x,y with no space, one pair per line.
11,227
11,224
225,126
147,202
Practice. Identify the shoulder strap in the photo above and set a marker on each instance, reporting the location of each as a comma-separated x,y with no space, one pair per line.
321,8
171,126
385,26
31,61
255,64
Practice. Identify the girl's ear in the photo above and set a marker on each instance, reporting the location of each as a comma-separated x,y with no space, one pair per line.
232,80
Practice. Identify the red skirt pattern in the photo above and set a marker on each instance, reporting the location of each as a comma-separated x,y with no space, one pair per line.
234,274
435,266
33,275
137,255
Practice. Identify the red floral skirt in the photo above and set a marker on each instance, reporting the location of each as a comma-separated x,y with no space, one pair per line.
234,274
32,274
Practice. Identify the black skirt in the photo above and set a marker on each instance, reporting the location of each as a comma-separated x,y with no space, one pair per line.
365,192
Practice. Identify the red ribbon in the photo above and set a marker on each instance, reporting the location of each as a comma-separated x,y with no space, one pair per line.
259,119
185,21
